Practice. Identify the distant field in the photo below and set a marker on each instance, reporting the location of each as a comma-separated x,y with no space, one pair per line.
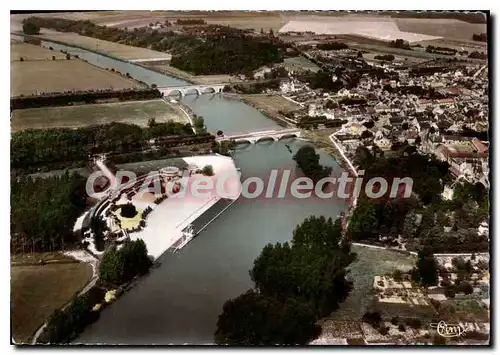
370,262
31,52
113,49
31,77
37,291
440,27
301,62
133,112
271,103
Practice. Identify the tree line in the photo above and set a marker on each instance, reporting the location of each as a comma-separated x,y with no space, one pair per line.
43,212
88,97
295,284
54,148
230,51
480,37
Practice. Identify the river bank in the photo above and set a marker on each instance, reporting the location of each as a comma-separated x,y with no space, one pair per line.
272,115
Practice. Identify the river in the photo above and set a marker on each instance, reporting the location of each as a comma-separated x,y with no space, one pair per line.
179,301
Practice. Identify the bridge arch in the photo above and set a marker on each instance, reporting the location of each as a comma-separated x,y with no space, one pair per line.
265,139
175,92
288,136
243,141
189,91
208,90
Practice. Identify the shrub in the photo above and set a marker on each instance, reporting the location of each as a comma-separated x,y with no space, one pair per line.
372,318
207,170
401,328
449,292
465,287
397,275
415,323
395,320
128,211
384,330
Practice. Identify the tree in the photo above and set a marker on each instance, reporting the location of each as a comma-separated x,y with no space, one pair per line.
256,319
98,227
364,223
308,161
30,28
68,57
318,232
465,287
397,275
119,266
53,57
427,267
21,59
207,170
128,210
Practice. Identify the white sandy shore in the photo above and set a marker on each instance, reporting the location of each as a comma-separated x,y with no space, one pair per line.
166,222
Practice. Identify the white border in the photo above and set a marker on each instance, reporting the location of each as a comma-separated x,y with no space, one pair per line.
191,5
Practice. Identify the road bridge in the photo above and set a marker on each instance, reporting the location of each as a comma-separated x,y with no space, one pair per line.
191,89
255,137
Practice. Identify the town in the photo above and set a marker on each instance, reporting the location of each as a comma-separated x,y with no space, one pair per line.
166,100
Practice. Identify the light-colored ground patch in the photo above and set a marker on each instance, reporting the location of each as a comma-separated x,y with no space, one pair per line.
37,291
132,112
297,63
271,103
32,52
35,77
197,79
381,28
441,27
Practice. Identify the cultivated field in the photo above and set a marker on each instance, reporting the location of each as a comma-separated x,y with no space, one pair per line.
441,27
29,52
375,27
112,49
133,112
271,103
32,77
370,262
300,63
37,291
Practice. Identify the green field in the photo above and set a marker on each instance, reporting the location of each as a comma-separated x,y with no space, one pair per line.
132,112
369,263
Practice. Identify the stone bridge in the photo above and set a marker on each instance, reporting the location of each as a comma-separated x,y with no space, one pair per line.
191,89
255,137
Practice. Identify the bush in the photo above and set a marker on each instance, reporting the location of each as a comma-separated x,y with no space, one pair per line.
401,328
415,323
397,275
384,330
30,28
449,292
207,170
465,287
128,211
372,318
395,320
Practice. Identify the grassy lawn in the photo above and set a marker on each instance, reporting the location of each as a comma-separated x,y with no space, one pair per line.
369,262
28,258
132,112
37,291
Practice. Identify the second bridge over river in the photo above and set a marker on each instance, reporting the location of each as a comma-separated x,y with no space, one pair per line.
255,137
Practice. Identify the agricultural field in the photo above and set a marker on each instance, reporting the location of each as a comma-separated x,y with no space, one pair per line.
32,77
132,112
271,103
300,63
31,52
369,263
375,27
37,291
440,27
112,49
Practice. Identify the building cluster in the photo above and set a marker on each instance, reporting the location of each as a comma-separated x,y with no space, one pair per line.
444,114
